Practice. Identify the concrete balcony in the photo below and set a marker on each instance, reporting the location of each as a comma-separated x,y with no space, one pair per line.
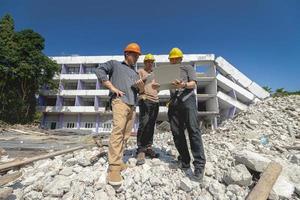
73,93
84,109
71,109
76,77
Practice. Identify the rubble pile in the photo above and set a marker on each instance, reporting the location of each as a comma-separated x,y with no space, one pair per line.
237,152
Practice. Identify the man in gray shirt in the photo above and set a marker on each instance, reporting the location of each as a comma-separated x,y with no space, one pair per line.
123,82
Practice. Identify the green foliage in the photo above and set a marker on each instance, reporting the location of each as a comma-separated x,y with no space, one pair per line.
280,92
24,69
268,89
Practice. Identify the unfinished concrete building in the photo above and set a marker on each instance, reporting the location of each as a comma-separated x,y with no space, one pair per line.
81,100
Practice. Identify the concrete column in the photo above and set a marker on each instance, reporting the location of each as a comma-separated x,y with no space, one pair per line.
81,69
61,85
61,120
41,101
80,85
78,101
231,111
63,69
96,102
97,122
59,101
98,84
78,120
43,121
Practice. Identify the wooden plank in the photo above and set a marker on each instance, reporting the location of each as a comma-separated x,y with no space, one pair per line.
292,147
265,184
8,166
7,178
5,192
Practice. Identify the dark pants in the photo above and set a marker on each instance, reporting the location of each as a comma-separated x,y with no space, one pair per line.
184,115
147,118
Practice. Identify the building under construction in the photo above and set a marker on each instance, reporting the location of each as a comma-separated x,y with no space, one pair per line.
81,102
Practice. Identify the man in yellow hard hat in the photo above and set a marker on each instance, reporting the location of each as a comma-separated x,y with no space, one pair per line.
124,84
148,106
183,114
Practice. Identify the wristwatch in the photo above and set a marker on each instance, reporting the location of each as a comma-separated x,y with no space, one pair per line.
185,85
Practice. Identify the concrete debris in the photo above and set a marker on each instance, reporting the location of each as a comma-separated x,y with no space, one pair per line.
238,175
236,155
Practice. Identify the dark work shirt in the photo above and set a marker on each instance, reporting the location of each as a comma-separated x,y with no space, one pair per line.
122,76
187,73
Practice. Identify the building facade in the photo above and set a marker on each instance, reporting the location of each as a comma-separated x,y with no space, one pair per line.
81,102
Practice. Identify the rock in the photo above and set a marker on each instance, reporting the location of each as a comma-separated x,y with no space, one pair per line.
100,183
295,158
252,160
253,122
132,162
155,162
217,190
57,187
145,176
185,184
283,188
238,175
110,191
87,178
101,195
273,196
71,162
205,195
66,171
297,189
146,167
33,195
236,190
209,169
164,127
83,158
154,181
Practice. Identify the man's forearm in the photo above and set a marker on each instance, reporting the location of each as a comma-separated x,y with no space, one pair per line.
190,85
109,85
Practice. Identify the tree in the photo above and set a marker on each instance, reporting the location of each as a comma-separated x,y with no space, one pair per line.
268,89
24,69
280,92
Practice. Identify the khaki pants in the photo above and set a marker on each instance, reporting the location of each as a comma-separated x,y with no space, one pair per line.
123,118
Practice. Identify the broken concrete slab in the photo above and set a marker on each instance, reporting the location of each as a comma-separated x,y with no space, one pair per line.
283,188
238,175
252,160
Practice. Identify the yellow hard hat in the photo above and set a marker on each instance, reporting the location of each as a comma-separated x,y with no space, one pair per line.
149,56
175,53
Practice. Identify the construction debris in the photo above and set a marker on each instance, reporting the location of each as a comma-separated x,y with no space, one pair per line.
11,165
237,155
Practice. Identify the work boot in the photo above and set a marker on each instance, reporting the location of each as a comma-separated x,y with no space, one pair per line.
184,166
114,176
140,160
151,154
198,174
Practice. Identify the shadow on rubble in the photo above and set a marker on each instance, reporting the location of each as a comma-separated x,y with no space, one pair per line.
165,157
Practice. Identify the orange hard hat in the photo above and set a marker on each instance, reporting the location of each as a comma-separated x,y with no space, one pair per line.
133,47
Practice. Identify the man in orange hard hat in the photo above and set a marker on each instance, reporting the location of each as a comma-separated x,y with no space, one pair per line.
148,105
124,84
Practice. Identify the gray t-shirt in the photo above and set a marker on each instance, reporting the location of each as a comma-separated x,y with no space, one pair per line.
187,73
122,76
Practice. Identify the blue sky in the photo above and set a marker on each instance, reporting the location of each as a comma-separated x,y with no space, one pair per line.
260,37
